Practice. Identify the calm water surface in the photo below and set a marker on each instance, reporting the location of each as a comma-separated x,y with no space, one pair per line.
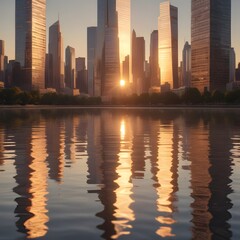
119,174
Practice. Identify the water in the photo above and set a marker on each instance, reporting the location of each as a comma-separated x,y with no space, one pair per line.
119,174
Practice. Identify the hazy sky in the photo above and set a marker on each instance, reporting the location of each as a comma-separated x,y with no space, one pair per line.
77,15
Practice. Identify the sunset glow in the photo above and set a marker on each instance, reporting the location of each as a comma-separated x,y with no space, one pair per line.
122,83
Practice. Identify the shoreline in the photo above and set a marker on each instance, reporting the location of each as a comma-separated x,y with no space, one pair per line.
121,107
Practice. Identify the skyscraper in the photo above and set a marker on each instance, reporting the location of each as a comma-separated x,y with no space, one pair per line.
91,52
211,43
153,61
186,65
138,62
232,65
2,61
107,70
30,27
55,50
70,71
168,44
81,75
124,33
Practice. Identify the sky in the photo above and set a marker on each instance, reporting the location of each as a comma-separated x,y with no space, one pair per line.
76,15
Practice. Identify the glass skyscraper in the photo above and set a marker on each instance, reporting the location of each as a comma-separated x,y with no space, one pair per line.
70,68
124,33
91,52
211,44
168,44
56,78
153,61
107,66
30,27
186,65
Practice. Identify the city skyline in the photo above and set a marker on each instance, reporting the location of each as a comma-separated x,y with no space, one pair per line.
78,39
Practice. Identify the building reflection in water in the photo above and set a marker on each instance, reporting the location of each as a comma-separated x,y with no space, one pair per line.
55,135
165,180
200,179
220,171
124,214
31,178
2,150
117,147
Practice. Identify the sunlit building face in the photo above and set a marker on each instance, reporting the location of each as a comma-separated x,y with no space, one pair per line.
124,30
31,42
168,44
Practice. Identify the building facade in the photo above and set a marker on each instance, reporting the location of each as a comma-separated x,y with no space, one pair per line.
30,31
124,34
2,61
186,65
56,63
70,70
81,75
211,43
107,61
91,52
153,61
168,44
138,63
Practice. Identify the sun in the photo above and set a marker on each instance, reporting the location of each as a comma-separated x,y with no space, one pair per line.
122,83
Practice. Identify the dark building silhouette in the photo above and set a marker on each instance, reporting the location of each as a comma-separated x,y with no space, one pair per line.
91,52
138,61
211,44
55,61
81,75
153,61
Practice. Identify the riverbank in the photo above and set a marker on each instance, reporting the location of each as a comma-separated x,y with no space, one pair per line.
150,107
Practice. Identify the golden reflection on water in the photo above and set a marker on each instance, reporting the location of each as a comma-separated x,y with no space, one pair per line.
118,148
123,213
36,225
165,178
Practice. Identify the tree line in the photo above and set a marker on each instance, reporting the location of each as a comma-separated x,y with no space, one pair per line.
192,96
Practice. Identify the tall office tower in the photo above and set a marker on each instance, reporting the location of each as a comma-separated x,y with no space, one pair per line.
81,75
211,43
2,61
153,61
138,62
91,52
168,44
70,71
107,70
56,64
232,66
186,65
30,27
124,33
